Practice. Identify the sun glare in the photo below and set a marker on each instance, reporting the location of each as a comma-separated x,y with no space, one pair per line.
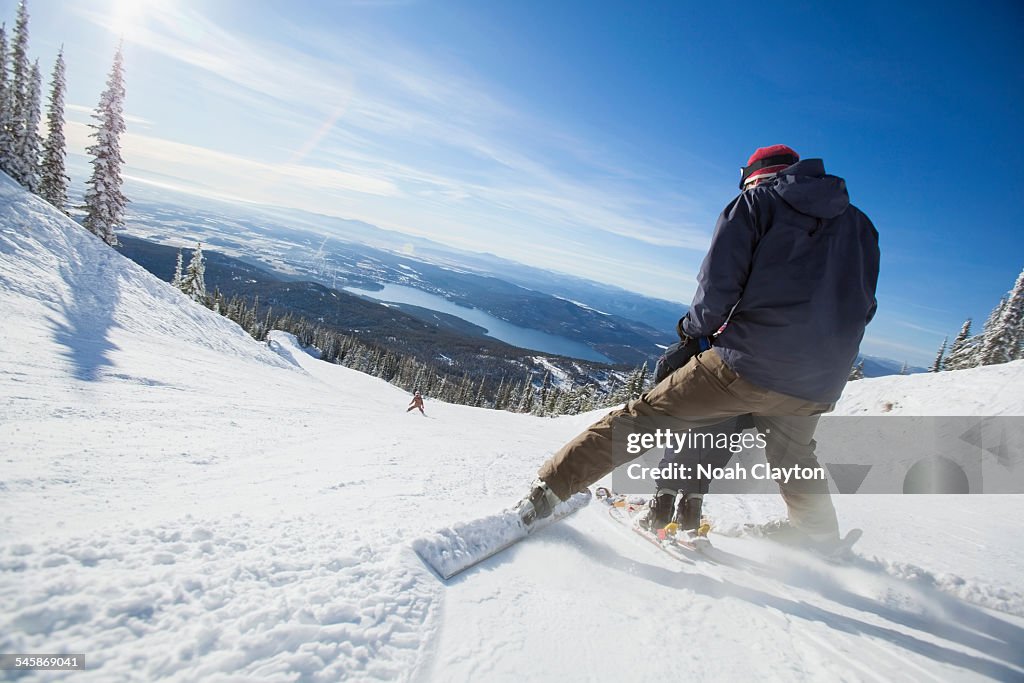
129,16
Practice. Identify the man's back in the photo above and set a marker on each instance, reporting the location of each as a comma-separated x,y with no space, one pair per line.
800,264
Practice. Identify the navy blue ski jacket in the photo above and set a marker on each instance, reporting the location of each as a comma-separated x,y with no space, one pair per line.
793,268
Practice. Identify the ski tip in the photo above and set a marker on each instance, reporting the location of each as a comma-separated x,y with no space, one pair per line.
451,551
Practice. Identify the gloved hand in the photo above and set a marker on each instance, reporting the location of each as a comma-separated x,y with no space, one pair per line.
678,355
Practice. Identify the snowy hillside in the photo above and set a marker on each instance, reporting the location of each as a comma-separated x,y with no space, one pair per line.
183,503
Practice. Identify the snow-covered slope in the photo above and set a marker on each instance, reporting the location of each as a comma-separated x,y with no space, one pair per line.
987,391
182,503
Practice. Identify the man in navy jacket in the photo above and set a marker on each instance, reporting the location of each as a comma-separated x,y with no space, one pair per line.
783,297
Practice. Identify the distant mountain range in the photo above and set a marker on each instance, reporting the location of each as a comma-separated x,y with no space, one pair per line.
424,334
349,256
625,327
883,367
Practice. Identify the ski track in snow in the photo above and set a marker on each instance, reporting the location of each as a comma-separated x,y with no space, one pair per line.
183,503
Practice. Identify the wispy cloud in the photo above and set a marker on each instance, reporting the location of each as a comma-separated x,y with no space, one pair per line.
367,116
86,112
921,328
889,345
241,177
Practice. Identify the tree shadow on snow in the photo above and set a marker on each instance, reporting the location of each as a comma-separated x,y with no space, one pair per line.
994,637
88,313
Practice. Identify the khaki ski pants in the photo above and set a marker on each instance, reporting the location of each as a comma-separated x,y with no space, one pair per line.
704,392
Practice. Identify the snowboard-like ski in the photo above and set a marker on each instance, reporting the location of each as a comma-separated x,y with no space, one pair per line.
683,545
839,553
670,540
453,550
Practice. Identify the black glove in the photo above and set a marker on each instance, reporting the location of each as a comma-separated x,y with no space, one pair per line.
678,355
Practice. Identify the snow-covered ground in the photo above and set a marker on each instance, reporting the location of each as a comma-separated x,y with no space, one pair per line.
180,502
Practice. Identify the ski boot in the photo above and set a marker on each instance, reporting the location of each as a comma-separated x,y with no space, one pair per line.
687,515
659,511
538,504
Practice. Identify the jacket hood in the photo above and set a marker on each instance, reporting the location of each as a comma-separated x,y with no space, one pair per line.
807,188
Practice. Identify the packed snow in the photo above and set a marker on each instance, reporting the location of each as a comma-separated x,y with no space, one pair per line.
181,502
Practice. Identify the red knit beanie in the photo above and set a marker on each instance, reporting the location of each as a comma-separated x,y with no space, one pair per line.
767,161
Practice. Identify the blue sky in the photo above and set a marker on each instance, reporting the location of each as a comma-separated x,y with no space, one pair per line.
599,139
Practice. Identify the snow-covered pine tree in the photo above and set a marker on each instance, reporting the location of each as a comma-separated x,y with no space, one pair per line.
194,282
26,153
542,400
499,395
5,92
937,364
478,400
856,372
1018,354
217,302
586,398
554,397
1002,334
104,201
53,182
526,396
978,357
16,106
957,357
176,280
905,370
514,397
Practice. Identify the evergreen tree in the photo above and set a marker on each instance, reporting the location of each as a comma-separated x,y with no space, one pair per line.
26,152
194,284
542,400
957,357
856,372
637,382
5,101
554,399
19,55
905,370
478,400
514,398
176,280
979,346
586,399
104,201
499,395
1001,339
53,185
937,365
526,397
16,109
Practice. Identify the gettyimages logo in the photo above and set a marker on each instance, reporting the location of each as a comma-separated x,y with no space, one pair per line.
846,455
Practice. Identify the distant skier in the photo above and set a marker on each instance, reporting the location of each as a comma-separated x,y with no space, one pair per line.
792,269
417,402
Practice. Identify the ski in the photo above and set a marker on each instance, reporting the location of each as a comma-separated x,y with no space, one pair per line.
670,540
451,551
837,554
685,545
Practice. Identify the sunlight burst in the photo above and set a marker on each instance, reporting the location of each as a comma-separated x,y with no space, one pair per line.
129,16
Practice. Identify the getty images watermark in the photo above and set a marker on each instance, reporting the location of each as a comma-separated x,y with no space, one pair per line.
846,455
